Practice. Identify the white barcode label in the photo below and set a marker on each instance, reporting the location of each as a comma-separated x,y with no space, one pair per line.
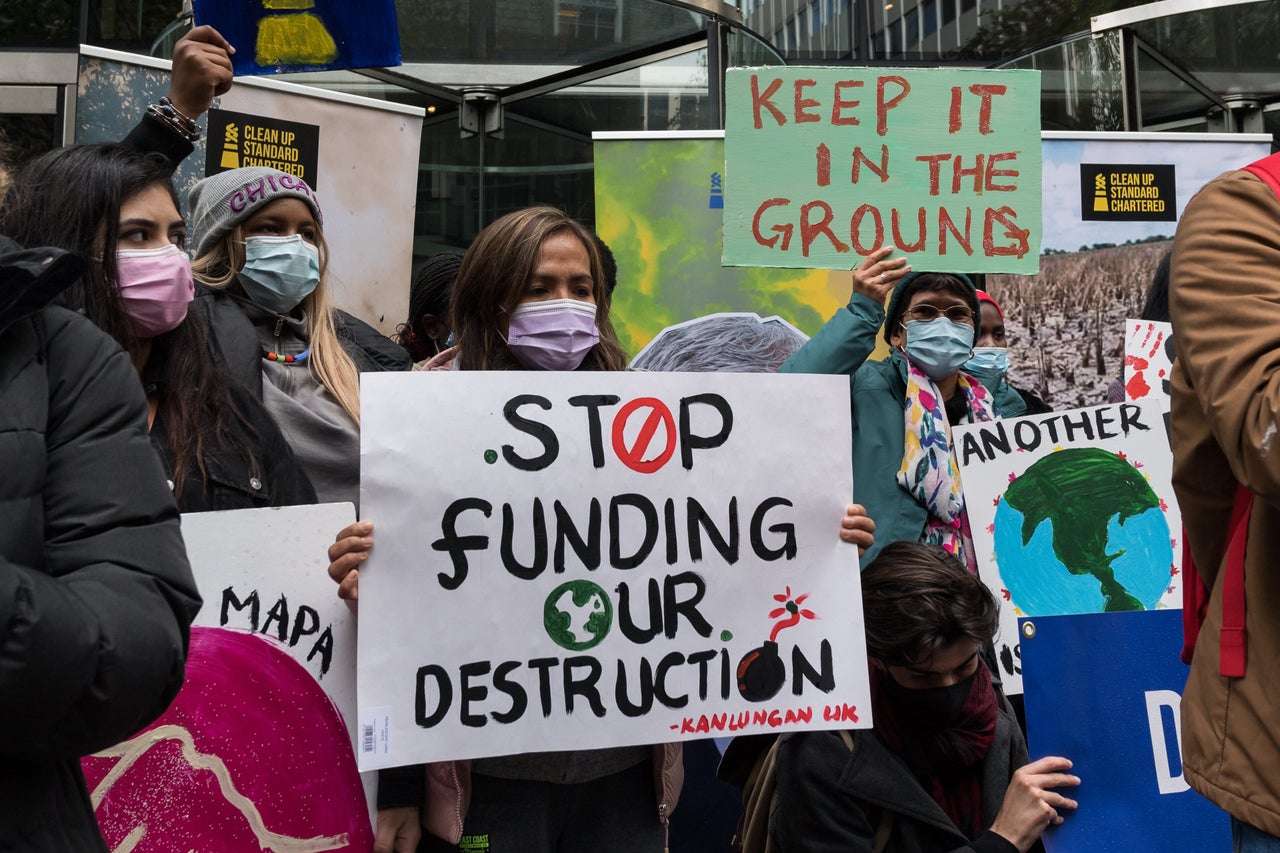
375,732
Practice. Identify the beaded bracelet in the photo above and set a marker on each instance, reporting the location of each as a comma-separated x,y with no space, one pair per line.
166,112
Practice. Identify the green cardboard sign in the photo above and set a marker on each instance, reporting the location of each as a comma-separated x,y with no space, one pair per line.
825,165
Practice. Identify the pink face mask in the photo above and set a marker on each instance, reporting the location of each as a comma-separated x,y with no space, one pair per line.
156,287
553,335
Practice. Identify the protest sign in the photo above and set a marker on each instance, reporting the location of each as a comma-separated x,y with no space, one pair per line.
272,36
257,750
725,342
1071,512
1148,363
1104,690
582,560
829,164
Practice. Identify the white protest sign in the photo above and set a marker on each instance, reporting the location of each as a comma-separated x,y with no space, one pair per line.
1071,512
583,560
257,749
1148,362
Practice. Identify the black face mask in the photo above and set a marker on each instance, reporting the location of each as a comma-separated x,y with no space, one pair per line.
928,708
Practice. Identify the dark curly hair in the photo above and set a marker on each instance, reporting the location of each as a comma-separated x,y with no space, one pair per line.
918,599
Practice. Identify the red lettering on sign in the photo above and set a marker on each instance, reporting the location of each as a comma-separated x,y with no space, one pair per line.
803,103
633,457
838,104
761,99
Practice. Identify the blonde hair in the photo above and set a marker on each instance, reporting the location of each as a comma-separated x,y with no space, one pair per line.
328,362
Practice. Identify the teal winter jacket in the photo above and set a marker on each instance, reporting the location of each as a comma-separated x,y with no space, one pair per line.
878,392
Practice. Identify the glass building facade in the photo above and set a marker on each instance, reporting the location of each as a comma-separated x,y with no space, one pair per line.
513,89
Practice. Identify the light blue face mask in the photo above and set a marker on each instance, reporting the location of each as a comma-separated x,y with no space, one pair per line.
988,363
279,272
938,347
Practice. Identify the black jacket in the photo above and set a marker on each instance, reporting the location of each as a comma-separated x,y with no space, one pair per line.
96,596
831,799
151,134
241,353
255,467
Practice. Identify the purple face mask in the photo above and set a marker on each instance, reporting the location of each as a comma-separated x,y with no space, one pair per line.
156,287
553,335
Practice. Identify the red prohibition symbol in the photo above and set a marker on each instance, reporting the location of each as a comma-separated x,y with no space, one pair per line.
633,458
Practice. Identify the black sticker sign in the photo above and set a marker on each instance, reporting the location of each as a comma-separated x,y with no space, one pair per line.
239,139
1124,193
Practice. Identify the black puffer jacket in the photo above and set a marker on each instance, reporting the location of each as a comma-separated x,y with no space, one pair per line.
96,597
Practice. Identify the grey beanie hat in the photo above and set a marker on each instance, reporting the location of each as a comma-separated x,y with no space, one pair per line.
222,201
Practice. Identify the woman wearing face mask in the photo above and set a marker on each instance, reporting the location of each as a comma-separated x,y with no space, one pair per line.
904,406
258,243
116,207
990,359
530,295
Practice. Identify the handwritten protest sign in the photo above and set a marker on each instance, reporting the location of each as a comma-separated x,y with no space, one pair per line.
271,36
582,560
256,752
1071,512
1148,362
828,164
1104,690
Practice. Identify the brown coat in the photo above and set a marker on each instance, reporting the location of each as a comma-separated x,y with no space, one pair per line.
1225,305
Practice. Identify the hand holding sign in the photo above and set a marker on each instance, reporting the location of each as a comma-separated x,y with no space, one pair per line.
348,552
1030,806
878,274
857,528
201,71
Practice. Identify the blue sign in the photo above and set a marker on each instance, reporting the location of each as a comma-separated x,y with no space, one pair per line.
1104,690
271,36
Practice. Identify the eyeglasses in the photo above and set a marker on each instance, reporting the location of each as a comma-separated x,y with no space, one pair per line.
956,313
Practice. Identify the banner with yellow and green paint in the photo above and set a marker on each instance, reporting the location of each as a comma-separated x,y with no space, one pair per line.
659,206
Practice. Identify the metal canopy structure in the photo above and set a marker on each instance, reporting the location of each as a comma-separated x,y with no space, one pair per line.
1184,65
513,90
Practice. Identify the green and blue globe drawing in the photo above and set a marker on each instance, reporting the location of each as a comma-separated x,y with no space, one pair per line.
577,615
1082,531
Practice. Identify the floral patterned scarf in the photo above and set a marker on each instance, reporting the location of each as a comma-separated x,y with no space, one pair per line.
929,469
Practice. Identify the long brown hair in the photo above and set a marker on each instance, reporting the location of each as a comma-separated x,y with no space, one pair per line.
492,280
71,198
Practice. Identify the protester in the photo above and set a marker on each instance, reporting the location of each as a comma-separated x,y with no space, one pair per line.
107,202
1224,298
96,596
258,242
906,474
426,332
990,359
201,71
530,295
945,766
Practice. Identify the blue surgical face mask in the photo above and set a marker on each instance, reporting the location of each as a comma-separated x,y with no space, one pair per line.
279,272
988,363
938,347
